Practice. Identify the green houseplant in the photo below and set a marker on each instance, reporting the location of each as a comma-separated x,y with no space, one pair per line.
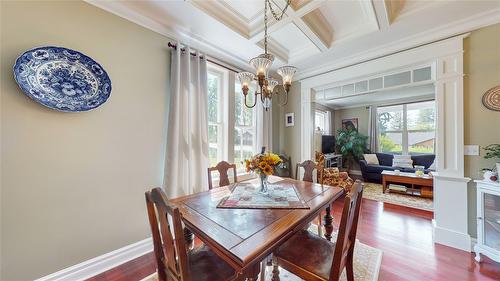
493,152
351,144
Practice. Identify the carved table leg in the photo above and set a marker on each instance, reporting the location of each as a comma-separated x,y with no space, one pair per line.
328,223
253,274
189,238
276,270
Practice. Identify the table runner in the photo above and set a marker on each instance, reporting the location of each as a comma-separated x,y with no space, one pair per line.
280,196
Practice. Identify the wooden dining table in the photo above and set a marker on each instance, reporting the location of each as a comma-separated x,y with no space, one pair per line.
245,237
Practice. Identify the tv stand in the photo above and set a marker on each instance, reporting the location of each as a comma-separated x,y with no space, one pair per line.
333,160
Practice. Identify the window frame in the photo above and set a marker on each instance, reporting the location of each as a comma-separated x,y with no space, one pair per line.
227,118
405,147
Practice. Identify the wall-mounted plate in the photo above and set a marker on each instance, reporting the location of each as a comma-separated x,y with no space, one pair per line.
491,99
62,79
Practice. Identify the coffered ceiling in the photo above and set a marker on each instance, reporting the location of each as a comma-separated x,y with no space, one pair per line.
314,35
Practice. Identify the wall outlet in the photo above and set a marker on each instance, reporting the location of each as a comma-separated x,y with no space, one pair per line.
471,149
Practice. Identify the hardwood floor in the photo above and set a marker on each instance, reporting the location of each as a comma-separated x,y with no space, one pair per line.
403,234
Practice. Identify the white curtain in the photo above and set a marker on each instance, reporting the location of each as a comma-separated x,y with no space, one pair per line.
264,127
372,129
186,158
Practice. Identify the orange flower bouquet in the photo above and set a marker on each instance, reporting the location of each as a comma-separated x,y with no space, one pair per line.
264,165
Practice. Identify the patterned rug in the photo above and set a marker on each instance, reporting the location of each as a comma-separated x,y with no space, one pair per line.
367,262
373,191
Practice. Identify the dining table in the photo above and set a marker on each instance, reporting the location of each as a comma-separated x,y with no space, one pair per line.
245,237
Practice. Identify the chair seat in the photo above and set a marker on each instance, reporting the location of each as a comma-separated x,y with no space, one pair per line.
307,251
205,265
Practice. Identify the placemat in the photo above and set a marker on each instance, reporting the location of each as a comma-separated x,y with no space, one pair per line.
280,196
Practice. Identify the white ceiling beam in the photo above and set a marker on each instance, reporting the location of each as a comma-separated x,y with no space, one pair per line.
381,14
289,17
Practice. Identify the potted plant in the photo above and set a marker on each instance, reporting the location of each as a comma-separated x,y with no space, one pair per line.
351,144
492,152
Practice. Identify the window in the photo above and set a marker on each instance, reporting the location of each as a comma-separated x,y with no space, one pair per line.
226,103
407,128
215,125
322,121
244,128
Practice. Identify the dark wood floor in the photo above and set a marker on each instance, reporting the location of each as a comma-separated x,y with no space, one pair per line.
403,234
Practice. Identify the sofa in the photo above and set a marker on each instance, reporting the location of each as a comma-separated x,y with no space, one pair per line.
373,173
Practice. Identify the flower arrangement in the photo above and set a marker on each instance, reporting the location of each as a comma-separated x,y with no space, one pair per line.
263,164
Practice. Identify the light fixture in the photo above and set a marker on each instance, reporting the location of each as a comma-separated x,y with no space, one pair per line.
267,86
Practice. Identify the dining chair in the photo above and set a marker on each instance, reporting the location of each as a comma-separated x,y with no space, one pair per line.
173,260
311,257
222,167
309,166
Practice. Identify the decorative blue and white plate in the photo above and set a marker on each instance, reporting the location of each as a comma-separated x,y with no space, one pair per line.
62,79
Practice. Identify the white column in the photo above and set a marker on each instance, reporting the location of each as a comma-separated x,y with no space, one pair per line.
450,186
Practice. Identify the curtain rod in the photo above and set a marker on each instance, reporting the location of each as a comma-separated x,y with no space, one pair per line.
173,46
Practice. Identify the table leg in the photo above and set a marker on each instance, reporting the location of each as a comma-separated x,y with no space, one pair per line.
189,238
384,184
328,223
253,273
276,270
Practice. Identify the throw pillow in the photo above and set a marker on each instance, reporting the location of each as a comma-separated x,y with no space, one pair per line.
403,161
433,165
371,159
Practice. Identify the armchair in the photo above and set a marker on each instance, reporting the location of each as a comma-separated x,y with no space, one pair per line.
333,176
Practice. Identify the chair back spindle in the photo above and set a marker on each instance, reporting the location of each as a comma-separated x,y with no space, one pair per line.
222,167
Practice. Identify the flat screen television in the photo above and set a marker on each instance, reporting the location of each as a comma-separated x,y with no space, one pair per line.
327,144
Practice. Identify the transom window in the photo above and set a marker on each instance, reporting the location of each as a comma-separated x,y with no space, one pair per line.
407,128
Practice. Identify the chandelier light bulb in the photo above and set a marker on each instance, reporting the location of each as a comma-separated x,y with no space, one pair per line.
261,64
245,78
271,84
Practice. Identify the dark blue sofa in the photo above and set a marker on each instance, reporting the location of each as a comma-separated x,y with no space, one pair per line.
373,173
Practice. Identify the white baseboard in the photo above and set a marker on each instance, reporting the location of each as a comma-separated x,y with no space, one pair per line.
473,242
101,263
451,238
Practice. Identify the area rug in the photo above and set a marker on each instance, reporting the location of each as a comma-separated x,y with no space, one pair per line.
367,262
373,191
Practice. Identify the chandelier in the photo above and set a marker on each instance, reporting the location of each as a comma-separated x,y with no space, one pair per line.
267,86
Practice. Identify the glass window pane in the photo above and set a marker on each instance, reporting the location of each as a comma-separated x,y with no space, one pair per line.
422,74
421,116
397,79
390,118
421,142
213,97
244,129
213,146
391,143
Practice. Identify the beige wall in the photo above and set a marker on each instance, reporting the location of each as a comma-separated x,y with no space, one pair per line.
362,113
73,183
289,137
482,126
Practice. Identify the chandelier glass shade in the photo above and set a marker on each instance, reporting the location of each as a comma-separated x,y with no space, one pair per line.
267,86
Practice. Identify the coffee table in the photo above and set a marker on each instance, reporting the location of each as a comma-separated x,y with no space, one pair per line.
420,185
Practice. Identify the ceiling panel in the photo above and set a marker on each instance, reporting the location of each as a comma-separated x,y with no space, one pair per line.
295,41
348,17
248,9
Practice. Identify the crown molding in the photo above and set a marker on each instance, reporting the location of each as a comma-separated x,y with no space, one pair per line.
120,9
439,33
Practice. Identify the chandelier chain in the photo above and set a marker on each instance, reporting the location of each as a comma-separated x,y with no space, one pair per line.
275,15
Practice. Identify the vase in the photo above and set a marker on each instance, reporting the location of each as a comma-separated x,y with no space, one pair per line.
263,183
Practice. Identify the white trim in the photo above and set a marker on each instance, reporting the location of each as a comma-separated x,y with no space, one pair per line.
94,266
404,44
451,238
473,243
